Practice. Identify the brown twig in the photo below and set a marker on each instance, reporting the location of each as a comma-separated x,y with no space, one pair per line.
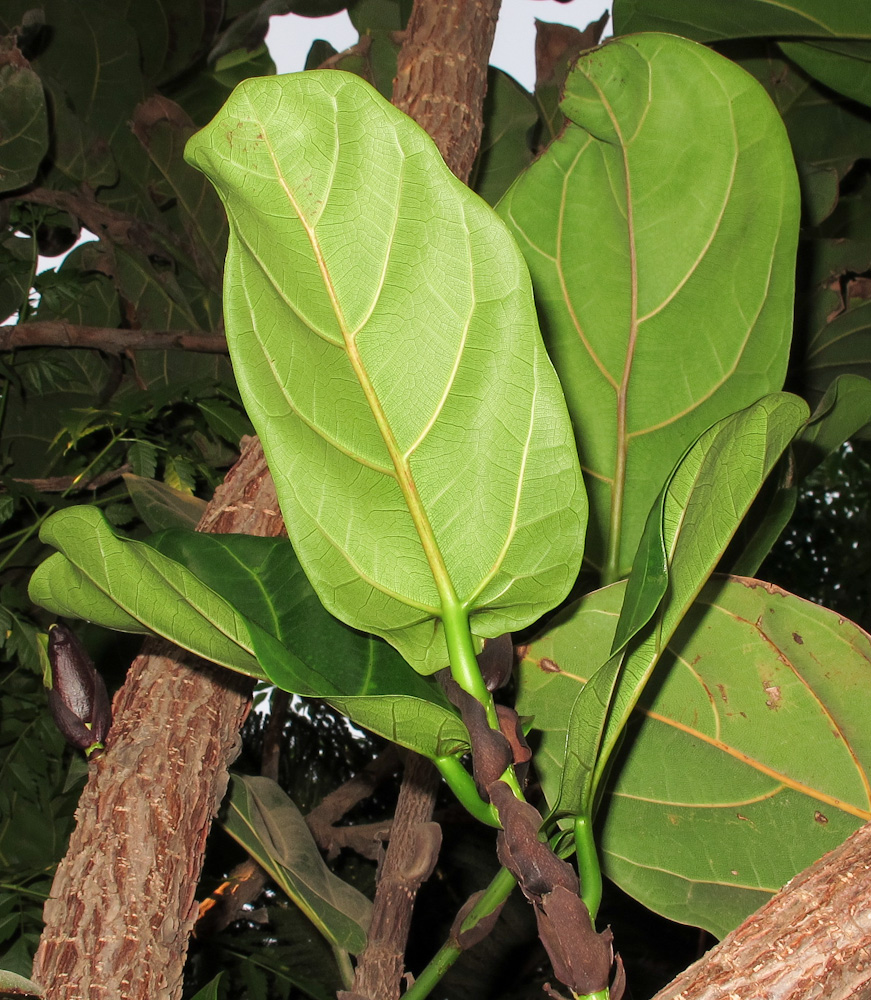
69,484
111,340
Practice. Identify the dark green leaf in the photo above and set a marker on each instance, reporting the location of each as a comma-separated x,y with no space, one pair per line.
265,821
23,123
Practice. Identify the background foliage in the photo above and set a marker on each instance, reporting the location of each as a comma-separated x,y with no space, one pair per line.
96,103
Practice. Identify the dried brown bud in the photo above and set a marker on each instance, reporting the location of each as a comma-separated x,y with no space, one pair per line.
78,699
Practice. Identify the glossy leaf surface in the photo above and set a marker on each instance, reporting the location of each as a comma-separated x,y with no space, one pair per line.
385,342
708,20
680,310
843,65
267,823
747,758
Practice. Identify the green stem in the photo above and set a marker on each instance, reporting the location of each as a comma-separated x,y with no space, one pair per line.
494,895
462,785
588,865
346,970
598,995
466,672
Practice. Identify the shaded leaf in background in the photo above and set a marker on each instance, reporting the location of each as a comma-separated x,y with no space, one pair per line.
662,162
842,414
730,781
160,506
828,133
506,147
267,823
380,401
841,347
711,20
843,65
23,122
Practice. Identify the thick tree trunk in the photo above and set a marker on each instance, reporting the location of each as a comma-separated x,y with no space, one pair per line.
122,903
813,939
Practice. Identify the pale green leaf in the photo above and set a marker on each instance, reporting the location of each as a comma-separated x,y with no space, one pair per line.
679,310
160,506
130,586
385,342
747,758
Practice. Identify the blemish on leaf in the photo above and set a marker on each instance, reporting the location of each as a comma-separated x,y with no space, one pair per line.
722,689
740,816
797,638
548,666
820,817
773,692
674,820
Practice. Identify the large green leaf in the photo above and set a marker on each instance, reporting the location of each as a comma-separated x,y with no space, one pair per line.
705,500
679,310
843,413
748,756
385,342
245,603
708,20
267,823
132,587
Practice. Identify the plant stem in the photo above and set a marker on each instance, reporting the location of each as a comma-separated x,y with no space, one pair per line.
346,970
462,785
494,895
588,865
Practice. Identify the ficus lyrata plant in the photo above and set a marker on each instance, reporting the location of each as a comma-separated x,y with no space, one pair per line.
448,475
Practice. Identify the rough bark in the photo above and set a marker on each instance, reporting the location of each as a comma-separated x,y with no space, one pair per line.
441,74
813,939
122,903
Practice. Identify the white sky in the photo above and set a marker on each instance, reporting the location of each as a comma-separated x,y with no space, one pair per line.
290,36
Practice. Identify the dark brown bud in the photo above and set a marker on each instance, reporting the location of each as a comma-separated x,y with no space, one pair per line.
78,699
496,661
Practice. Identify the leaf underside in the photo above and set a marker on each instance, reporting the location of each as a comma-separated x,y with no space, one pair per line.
385,342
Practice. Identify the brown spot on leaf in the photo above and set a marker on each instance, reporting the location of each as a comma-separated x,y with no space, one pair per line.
773,692
740,816
797,638
548,666
722,689
820,818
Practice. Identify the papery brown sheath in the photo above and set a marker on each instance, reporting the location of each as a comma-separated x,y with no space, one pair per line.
78,699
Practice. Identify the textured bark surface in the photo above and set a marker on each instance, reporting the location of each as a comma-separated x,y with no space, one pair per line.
122,903
441,74
813,939
411,856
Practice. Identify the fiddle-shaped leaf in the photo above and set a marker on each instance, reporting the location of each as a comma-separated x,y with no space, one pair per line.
385,342
746,759
680,310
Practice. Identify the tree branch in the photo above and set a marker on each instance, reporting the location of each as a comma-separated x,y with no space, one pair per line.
812,939
122,903
59,333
